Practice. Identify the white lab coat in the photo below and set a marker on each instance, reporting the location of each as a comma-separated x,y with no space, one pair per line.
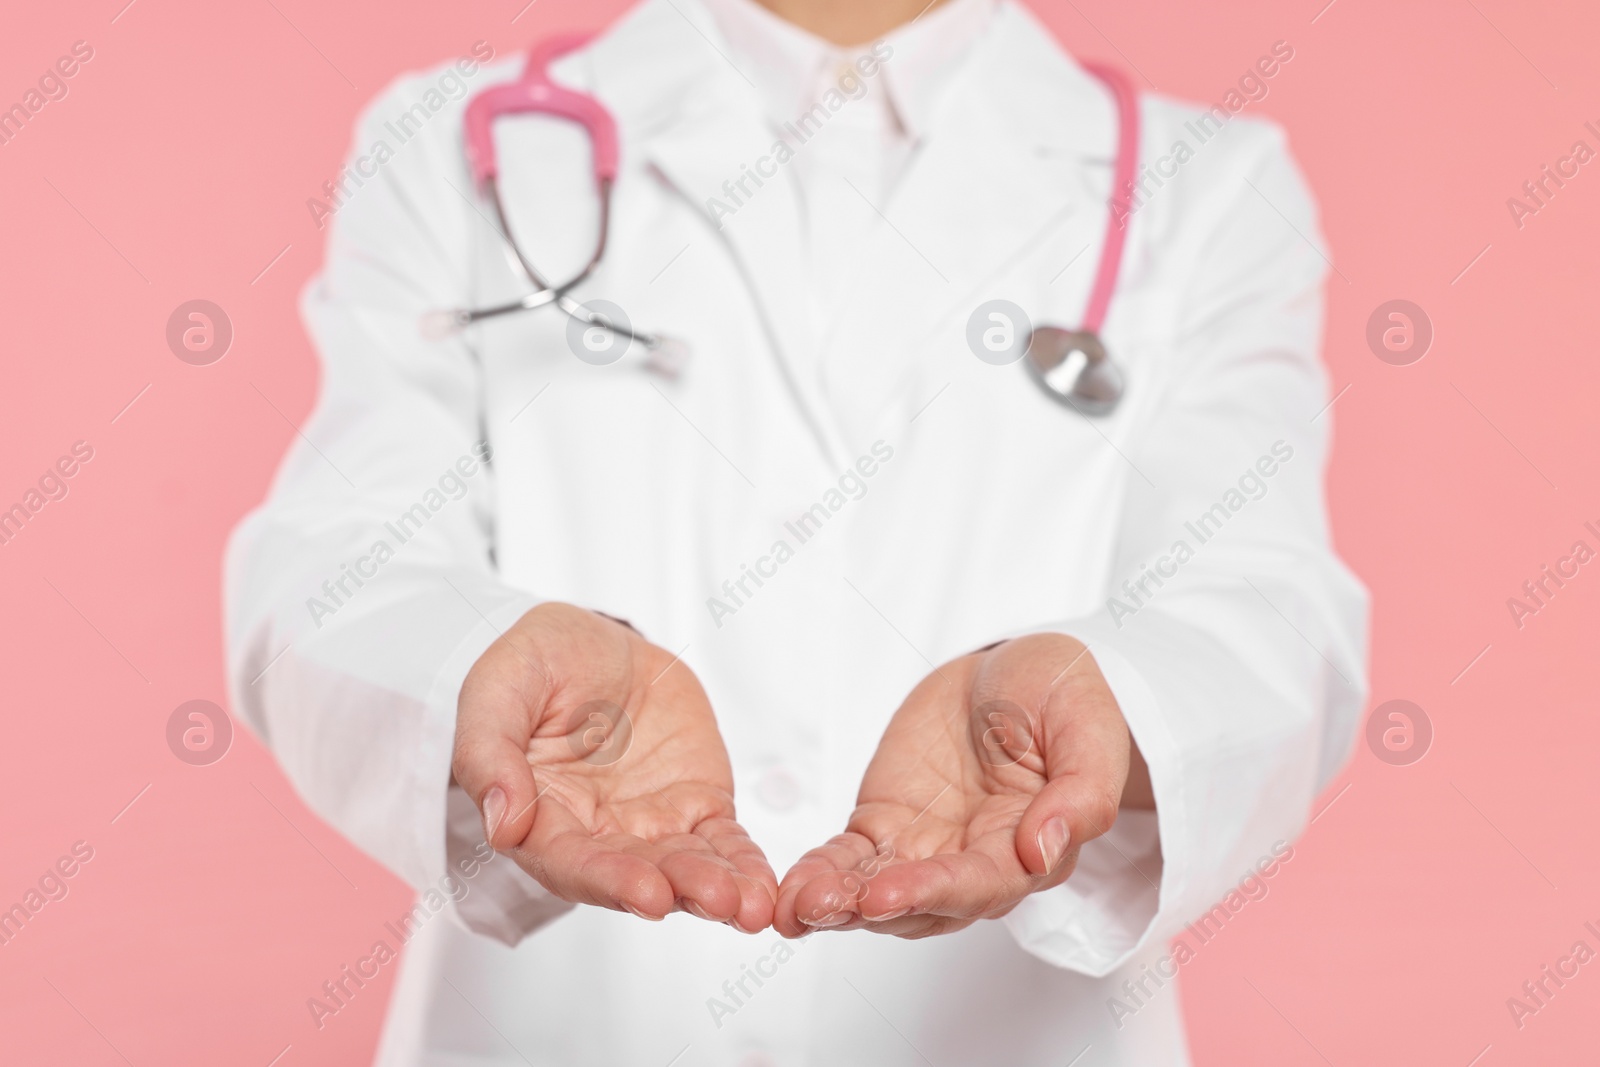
1000,512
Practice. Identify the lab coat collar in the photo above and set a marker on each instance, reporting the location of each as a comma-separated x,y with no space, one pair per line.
1017,154
664,67
1032,92
927,52
780,58
1017,110
791,66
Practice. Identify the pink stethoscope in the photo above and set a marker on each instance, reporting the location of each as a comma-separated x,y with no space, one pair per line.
1071,366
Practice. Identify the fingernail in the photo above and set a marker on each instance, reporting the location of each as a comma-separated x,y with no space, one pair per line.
833,918
640,914
1053,842
494,810
697,911
895,914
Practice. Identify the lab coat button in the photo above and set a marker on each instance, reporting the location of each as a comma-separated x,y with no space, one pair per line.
778,789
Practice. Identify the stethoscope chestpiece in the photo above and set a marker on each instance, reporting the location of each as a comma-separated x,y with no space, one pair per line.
1072,368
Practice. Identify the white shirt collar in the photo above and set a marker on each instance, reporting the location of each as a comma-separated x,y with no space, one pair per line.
791,67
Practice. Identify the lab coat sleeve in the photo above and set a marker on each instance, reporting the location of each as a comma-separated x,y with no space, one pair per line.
1240,665
362,591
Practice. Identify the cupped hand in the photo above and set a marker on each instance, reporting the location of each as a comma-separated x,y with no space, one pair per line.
989,778
596,762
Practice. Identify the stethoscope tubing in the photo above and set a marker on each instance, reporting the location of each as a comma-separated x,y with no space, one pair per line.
1096,384
545,292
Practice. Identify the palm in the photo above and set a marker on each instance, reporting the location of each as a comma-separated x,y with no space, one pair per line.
934,787
631,799
937,839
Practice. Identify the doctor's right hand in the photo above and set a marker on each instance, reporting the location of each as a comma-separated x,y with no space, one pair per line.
596,762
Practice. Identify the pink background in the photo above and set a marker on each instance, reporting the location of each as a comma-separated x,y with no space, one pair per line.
178,167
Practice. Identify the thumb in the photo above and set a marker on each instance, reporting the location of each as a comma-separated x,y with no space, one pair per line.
491,762
1067,813
1086,748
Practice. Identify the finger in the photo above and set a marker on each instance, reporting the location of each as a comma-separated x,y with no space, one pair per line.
1086,753
711,888
916,927
841,852
906,927
570,861
828,887
490,762
707,830
972,884
800,908
702,882
758,884
727,880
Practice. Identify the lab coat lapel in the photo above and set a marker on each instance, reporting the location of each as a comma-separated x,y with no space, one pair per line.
698,123
763,234
1016,157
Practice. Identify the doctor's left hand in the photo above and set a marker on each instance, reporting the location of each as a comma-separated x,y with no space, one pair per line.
596,762
989,778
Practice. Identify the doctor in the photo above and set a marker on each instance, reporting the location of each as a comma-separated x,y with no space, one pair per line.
1006,694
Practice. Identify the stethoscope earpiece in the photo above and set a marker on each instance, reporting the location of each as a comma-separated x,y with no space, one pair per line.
442,325
667,356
